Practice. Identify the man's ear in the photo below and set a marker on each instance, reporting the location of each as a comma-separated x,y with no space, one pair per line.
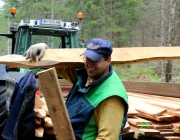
109,60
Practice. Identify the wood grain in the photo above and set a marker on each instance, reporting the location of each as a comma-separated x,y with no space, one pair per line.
58,113
71,57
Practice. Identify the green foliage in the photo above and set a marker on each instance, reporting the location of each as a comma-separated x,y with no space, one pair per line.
111,20
137,72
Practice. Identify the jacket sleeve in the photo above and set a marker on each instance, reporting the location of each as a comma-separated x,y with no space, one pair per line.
68,74
109,116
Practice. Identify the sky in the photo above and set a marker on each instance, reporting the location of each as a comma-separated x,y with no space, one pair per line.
1,3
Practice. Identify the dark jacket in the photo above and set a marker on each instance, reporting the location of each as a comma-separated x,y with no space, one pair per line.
20,124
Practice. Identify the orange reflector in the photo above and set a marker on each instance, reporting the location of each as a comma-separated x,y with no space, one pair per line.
13,10
80,15
12,67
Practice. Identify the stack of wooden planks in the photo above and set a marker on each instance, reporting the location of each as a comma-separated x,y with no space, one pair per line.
152,115
148,115
43,121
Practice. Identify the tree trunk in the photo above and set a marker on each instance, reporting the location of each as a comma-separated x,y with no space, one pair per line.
171,37
103,18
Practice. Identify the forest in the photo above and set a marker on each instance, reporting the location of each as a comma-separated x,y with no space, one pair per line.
125,23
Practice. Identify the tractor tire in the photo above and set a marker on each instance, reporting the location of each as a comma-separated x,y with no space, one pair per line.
3,107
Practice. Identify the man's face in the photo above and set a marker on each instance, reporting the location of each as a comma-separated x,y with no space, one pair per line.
97,69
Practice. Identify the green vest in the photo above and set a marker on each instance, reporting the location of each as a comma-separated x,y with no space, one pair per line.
112,86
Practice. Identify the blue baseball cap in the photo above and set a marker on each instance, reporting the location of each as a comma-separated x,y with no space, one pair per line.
97,48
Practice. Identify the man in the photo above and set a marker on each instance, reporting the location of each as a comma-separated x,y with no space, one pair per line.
97,104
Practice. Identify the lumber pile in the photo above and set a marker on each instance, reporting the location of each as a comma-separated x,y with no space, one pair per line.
148,116
43,121
152,115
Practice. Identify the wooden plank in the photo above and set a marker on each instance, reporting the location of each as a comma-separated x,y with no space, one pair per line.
143,127
168,134
39,132
176,130
146,108
164,89
147,132
176,125
159,97
172,138
120,56
163,104
126,128
139,122
164,117
174,113
59,116
165,130
38,102
161,125
132,112
155,98
128,133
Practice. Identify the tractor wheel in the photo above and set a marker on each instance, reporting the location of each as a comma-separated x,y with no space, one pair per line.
3,108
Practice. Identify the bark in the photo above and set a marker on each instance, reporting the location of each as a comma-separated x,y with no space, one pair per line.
171,37
103,18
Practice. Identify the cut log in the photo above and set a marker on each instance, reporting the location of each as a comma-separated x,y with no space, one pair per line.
39,112
39,132
38,121
49,131
44,107
48,122
43,100
38,102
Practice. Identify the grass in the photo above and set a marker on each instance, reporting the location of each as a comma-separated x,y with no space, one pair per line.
141,72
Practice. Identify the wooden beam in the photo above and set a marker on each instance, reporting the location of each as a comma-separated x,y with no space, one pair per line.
147,132
164,117
71,57
171,138
50,87
143,107
164,89
164,104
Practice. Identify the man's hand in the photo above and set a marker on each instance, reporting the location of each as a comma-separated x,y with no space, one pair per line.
36,50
